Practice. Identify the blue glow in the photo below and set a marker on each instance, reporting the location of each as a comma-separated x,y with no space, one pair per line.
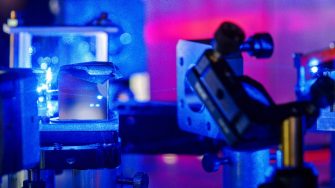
267,45
255,94
257,46
99,97
68,39
52,108
54,60
88,57
47,59
313,62
314,69
84,46
129,16
125,38
94,105
44,65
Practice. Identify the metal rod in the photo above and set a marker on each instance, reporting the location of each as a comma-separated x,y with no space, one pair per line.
11,51
11,42
245,169
292,143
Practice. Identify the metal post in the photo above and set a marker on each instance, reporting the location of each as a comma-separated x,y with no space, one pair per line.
11,50
292,143
12,22
98,178
246,169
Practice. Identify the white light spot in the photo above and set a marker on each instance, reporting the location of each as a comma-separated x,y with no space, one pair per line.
314,69
41,88
41,99
313,62
170,159
31,50
54,7
99,97
50,107
48,75
44,66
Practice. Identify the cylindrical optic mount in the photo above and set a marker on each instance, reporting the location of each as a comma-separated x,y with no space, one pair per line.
292,143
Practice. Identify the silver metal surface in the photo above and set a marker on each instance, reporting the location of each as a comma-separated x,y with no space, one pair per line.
326,120
246,169
81,125
22,40
192,115
49,31
100,178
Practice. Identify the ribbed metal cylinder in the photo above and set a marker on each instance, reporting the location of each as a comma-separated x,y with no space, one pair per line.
99,178
246,169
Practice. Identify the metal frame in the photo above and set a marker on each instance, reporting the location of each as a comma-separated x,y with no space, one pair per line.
22,40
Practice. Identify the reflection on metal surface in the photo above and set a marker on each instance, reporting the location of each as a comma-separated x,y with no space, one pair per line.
246,169
170,159
292,146
192,116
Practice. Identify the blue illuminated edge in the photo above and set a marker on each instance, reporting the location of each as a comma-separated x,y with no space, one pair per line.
58,30
81,125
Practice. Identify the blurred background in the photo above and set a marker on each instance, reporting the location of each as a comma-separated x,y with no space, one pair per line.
155,26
